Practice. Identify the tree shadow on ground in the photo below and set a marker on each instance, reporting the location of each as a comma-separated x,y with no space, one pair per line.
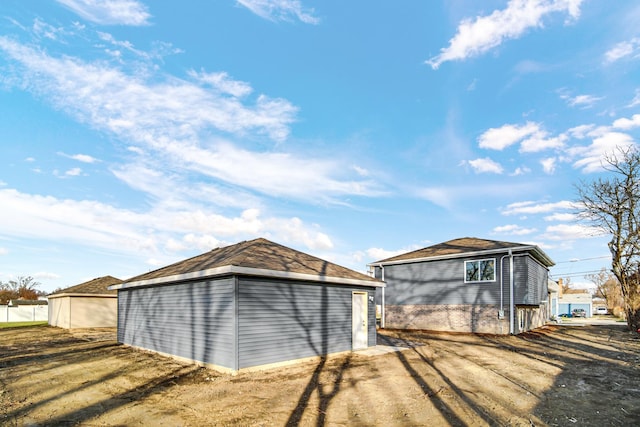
68,351
592,373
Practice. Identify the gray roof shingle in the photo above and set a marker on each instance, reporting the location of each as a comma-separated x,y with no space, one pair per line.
96,286
466,245
257,254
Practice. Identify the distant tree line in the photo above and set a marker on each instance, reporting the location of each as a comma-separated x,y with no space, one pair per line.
23,287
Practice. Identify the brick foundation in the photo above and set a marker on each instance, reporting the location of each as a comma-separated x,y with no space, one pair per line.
451,318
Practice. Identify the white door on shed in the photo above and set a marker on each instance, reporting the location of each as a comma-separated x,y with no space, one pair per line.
359,320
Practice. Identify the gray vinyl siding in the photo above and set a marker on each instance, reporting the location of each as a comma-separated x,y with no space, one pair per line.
194,320
531,279
280,321
441,282
438,282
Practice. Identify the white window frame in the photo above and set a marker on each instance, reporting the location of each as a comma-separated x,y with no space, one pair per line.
493,260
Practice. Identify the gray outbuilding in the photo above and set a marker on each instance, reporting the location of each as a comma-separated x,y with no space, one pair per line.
252,304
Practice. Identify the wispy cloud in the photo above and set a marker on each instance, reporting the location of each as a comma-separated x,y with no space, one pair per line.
280,10
562,232
479,35
110,12
378,254
112,100
73,172
548,165
583,101
623,49
561,216
513,230
84,158
486,165
636,100
531,207
590,157
158,231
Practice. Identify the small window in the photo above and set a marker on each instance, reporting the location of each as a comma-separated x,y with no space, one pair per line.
483,270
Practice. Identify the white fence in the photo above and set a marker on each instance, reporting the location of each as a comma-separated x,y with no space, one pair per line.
24,313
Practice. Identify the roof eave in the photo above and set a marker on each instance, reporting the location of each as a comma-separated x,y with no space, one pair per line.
247,271
531,248
81,294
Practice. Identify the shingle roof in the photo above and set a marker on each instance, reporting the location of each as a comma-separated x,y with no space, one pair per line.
95,286
466,245
260,254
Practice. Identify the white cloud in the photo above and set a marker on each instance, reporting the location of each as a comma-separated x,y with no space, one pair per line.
73,172
563,232
84,158
636,100
506,135
4,251
622,49
521,171
223,83
170,118
531,207
126,105
152,232
279,174
485,165
513,230
581,131
43,29
585,101
479,35
560,217
548,165
541,141
591,156
626,124
112,12
280,10
377,254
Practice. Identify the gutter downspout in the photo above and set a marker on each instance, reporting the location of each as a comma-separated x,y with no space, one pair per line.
382,305
501,311
511,298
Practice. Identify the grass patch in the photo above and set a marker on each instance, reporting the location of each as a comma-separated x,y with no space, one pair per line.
5,325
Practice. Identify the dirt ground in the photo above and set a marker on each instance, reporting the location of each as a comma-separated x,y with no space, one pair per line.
558,376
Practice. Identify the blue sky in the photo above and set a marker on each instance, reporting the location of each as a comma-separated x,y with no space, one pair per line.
135,134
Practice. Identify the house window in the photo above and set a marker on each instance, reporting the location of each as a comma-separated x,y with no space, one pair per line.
483,270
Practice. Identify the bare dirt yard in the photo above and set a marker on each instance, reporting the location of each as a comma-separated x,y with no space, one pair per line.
557,376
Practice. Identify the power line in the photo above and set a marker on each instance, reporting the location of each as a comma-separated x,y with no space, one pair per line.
583,259
580,273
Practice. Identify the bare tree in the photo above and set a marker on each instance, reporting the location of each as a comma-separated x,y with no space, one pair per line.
607,287
612,204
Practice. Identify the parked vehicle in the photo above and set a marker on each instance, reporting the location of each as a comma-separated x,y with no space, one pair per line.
578,312
601,310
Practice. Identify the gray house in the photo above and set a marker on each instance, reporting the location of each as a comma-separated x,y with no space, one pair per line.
252,304
465,285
